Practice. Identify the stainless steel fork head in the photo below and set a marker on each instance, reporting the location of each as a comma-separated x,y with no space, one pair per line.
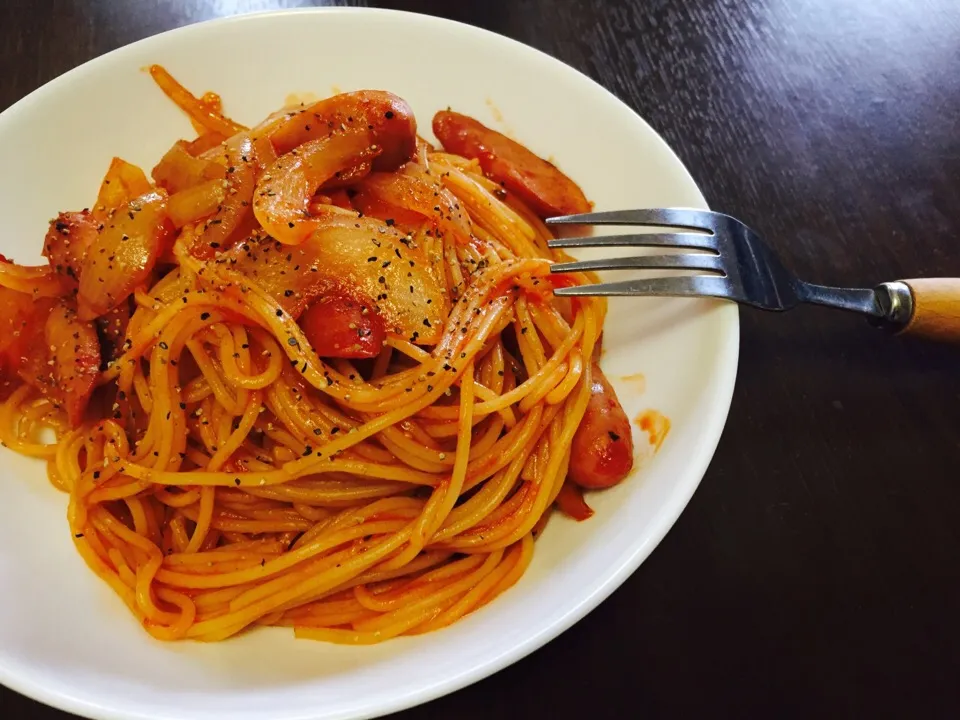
739,265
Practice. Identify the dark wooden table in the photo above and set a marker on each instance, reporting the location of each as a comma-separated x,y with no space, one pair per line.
815,572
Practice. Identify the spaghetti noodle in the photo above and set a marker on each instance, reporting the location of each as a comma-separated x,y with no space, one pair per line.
312,374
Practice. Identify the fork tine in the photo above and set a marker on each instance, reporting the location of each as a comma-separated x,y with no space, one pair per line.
667,217
695,286
711,263
685,240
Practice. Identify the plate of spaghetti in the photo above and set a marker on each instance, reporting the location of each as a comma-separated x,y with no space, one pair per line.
294,424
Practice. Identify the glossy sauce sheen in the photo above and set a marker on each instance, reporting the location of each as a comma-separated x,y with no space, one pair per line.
537,182
338,326
602,449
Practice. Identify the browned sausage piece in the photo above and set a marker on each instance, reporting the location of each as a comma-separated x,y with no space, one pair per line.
534,180
602,450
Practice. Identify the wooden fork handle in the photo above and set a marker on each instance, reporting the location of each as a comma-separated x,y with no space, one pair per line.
936,309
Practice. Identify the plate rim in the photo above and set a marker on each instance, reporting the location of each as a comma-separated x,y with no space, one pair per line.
726,365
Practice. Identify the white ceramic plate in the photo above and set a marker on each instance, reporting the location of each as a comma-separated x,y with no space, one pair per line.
66,640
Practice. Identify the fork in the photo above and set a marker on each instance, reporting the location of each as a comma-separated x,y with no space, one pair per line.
735,264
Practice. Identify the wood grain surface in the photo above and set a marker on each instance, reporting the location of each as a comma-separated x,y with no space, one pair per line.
815,572
936,308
